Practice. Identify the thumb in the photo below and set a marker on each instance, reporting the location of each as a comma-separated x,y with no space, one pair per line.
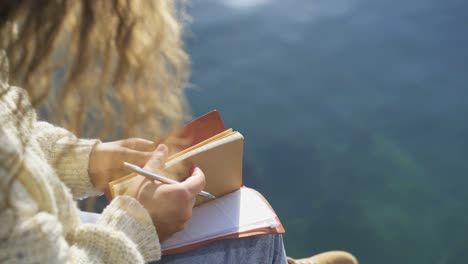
195,183
158,158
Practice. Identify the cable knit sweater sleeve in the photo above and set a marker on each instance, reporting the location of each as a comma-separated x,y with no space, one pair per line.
33,229
124,229
40,238
121,239
68,155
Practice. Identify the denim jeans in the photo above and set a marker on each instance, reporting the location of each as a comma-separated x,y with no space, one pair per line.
256,249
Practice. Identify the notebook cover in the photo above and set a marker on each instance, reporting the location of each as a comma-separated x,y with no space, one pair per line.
194,132
220,161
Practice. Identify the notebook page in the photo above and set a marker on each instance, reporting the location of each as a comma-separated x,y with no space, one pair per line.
238,211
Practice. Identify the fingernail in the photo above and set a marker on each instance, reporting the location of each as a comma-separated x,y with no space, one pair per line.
160,148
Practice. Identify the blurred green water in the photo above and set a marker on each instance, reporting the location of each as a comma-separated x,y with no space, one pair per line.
354,114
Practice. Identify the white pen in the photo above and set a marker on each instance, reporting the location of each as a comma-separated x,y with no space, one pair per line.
155,176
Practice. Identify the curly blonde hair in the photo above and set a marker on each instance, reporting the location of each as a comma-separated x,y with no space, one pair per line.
118,64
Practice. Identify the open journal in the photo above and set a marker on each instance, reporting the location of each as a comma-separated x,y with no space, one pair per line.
237,211
238,214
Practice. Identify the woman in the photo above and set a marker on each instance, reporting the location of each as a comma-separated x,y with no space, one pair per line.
91,62
107,46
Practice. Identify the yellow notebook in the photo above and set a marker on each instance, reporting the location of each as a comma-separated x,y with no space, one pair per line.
219,156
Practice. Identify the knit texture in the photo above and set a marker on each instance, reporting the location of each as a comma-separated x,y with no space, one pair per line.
42,169
68,155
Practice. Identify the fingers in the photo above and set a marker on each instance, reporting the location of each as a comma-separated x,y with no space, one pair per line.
196,182
158,158
136,157
138,144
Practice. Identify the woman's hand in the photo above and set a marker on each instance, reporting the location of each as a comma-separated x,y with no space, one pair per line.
170,205
106,159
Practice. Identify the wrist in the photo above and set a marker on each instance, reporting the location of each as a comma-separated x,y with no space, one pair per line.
93,167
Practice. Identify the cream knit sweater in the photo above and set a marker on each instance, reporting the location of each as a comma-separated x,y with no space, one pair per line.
41,167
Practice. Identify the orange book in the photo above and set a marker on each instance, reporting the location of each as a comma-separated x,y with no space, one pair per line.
237,211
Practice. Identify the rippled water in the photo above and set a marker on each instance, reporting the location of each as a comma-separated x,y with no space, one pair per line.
354,114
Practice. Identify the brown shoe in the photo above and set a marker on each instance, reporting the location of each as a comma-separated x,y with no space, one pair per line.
330,257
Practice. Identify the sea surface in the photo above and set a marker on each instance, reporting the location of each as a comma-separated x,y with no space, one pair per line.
355,118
